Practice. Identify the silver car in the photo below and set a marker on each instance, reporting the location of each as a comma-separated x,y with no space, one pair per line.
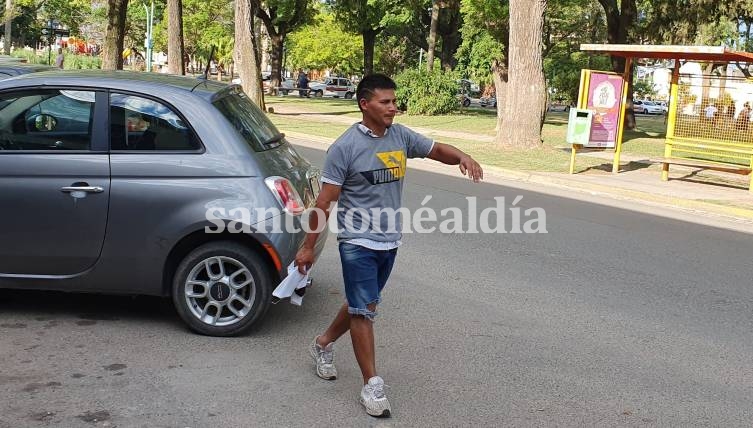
136,183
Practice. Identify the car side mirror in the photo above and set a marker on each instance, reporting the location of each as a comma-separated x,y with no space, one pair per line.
45,123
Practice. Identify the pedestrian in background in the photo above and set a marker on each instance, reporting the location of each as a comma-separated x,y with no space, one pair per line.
303,84
59,59
743,118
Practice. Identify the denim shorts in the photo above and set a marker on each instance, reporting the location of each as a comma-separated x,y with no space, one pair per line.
365,272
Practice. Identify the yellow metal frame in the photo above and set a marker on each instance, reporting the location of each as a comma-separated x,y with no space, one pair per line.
736,150
621,120
585,81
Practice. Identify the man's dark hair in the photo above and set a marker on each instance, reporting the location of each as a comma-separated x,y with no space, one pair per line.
372,82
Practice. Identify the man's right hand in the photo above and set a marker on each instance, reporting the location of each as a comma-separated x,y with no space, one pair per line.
304,259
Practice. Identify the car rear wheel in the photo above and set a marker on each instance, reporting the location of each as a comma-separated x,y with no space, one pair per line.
221,289
466,102
348,95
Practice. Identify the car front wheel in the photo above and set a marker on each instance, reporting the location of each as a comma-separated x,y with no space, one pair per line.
348,95
466,102
221,289
318,94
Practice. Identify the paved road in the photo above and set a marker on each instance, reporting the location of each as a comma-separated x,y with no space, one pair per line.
613,318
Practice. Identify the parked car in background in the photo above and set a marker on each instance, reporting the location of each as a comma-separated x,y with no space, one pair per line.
490,101
265,76
333,87
466,90
646,107
559,106
142,183
464,100
287,86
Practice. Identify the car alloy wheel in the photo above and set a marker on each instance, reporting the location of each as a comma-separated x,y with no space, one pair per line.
221,289
318,94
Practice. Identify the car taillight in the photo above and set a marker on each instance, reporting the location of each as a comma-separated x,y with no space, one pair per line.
285,194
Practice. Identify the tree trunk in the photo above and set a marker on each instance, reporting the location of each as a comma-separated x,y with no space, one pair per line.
8,20
499,75
524,113
175,52
369,38
112,49
275,62
619,24
450,30
432,35
450,43
246,51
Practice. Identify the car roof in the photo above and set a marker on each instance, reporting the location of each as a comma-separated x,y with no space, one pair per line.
121,80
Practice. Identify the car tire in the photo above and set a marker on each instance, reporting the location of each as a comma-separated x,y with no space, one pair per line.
466,102
318,94
348,95
645,111
284,92
221,289
567,109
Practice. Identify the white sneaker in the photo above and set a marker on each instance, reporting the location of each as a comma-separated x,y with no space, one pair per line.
324,359
374,399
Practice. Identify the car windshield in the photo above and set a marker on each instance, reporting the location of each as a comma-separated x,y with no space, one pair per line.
649,103
249,121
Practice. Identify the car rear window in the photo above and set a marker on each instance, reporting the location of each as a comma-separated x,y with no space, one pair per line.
249,121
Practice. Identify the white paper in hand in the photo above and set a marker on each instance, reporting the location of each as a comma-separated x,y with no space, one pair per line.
294,281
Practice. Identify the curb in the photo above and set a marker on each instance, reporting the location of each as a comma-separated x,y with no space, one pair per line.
539,179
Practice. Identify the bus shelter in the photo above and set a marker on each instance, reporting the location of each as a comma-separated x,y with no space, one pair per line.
708,116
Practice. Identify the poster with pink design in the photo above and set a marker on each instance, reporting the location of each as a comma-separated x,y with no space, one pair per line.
605,100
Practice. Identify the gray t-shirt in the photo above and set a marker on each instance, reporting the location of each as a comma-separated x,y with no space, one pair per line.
370,172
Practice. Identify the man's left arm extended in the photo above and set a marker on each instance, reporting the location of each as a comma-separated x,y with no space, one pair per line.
451,155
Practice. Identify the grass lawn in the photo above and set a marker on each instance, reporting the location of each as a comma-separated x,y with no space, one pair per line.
646,140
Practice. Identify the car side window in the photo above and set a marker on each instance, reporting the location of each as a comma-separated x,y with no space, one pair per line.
142,124
48,120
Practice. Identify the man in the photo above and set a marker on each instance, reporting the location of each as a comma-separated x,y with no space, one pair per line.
59,59
303,84
364,169
710,113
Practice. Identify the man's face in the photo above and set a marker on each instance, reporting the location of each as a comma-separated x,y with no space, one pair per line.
381,108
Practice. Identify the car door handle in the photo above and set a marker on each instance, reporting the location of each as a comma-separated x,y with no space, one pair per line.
87,189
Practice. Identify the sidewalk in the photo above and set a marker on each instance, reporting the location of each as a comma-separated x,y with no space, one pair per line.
726,197
691,190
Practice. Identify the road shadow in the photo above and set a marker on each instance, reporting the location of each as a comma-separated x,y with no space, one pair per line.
628,167
693,177
88,307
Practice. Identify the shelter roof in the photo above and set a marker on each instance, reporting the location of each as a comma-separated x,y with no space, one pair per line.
679,52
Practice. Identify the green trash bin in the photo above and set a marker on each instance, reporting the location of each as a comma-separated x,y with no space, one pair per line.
579,126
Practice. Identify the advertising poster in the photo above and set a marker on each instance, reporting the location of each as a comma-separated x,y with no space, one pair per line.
604,99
